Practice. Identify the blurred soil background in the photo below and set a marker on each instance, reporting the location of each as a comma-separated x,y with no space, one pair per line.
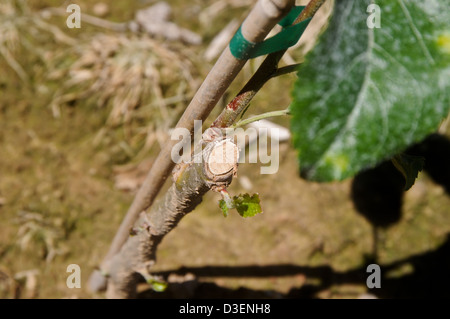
83,113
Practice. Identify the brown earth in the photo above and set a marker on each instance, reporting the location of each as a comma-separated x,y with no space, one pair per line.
61,204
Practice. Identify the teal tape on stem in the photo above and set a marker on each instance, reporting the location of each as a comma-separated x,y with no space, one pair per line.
243,49
240,47
291,16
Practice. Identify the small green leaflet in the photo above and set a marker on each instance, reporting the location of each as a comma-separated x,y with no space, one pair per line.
157,285
246,205
409,166
365,94
224,207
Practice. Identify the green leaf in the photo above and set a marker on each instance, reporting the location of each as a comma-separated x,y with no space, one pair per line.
365,94
158,286
247,206
224,207
409,166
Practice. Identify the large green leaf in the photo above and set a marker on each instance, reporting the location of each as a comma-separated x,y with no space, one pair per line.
365,94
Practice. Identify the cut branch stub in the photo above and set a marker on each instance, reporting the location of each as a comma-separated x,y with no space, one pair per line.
222,159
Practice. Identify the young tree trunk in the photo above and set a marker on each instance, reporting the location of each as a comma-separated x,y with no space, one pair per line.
256,26
212,168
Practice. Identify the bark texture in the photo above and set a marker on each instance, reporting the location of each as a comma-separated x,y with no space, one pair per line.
191,181
255,27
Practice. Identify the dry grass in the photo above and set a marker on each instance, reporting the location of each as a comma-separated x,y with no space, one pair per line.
36,232
9,36
13,20
140,79
18,28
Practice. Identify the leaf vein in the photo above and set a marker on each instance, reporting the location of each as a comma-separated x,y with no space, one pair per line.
416,33
359,100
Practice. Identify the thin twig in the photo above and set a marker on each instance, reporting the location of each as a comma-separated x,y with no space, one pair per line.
309,11
286,70
261,117
241,101
265,72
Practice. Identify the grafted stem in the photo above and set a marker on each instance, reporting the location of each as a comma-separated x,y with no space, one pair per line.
129,256
267,70
192,180
261,117
255,28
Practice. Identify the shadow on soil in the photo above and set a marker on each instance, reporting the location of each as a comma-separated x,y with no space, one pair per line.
430,278
377,194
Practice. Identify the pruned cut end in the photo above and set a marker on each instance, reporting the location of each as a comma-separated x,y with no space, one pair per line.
223,158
